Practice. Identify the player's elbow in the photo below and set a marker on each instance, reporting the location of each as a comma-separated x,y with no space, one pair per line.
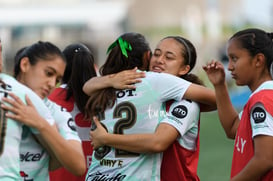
80,169
230,136
77,166
158,146
230,133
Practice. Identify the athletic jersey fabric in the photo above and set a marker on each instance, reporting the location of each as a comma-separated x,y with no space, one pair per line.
11,131
135,111
34,159
82,127
256,119
180,160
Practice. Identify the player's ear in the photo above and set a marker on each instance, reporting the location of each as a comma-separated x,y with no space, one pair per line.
260,60
24,64
184,70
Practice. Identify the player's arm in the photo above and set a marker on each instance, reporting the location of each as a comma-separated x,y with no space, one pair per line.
140,143
69,153
203,95
122,80
227,114
261,162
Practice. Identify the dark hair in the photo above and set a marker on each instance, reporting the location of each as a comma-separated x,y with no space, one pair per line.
117,61
256,41
79,69
35,52
189,54
126,53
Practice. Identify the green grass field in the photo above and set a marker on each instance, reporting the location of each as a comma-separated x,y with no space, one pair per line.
215,150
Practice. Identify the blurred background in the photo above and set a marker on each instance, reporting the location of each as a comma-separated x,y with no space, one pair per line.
97,23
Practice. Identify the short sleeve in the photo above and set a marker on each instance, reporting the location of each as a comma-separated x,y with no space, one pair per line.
261,121
168,86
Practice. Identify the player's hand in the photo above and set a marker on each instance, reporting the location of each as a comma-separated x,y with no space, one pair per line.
215,72
24,113
97,135
126,79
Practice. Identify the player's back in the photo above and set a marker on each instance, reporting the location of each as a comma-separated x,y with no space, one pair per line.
135,111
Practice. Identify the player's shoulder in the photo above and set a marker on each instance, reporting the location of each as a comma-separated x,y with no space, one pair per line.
185,104
19,89
52,105
11,83
157,74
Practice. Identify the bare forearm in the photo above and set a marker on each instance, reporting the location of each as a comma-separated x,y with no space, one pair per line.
63,149
158,141
227,114
203,95
254,170
96,83
140,143
122,80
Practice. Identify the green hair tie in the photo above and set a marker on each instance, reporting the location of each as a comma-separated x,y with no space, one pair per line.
123,44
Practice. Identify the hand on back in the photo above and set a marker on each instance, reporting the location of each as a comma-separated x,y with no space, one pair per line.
126,79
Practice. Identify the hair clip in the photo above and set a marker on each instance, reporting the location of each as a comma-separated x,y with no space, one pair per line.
77,49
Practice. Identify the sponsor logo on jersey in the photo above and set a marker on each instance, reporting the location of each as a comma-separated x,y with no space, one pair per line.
126,92
31,157
258,115
111,163
98,176
180,111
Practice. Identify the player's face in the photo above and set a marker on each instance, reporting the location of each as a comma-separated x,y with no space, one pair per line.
167,57
241,64
43,76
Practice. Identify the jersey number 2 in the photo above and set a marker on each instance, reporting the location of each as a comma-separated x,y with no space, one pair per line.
122,124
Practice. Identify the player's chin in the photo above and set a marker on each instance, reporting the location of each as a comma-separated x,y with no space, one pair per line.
239,83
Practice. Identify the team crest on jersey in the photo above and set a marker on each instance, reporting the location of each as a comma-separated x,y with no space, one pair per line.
258,115
180,111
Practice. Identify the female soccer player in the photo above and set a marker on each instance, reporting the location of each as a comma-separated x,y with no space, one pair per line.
177,134
250,54
40,67
79,69
131,111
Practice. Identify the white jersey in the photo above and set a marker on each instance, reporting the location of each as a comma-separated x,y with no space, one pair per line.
11,131
34,157
184,117
135,111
